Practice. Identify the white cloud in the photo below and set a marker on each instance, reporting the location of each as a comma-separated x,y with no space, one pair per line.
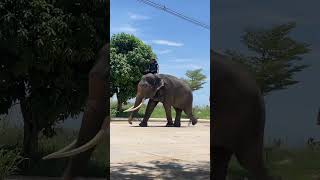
167,43
182,66
125,28
166,51
138,17
183,60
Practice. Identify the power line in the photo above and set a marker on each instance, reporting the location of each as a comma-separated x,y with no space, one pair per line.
164,8
175,13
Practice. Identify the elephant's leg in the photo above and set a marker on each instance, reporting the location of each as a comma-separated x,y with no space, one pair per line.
188,112
221,158
150,107
167,108
252,160
177,122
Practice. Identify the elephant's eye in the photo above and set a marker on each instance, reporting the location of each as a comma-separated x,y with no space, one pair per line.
145,85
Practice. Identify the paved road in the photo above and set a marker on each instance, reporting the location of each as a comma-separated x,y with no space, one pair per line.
158,152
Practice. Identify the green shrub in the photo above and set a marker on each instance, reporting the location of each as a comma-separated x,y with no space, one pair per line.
9,161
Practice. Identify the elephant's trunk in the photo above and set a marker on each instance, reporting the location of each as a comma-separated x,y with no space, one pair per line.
138,103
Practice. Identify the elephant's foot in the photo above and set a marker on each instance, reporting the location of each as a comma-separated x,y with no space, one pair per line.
177,124
169,124
194,121
143,124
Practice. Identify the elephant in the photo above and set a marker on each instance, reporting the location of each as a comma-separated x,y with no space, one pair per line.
169,90
95,122
238,118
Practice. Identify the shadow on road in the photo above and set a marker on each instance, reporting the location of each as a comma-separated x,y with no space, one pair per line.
160,170
156,126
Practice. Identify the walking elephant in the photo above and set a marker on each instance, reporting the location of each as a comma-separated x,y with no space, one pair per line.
238,119
169,90
95,122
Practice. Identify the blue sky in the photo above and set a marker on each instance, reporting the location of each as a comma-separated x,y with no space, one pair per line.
178,44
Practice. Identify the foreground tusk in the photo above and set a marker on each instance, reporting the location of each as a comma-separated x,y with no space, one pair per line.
67,148
80,149
93,142
128,109
133,109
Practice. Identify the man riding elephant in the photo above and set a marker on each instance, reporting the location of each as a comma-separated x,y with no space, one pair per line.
167,89
153,67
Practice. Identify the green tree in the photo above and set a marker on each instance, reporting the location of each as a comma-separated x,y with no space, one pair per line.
195,79
275,58
47,49
129,58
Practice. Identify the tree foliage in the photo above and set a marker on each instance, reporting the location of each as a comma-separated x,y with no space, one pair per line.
195,79
129,58
47,49
275,58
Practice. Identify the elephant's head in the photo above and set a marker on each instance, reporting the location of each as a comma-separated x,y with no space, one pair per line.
148,86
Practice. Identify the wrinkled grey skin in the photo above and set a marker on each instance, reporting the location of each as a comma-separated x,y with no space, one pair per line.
238,119
94,114
169,90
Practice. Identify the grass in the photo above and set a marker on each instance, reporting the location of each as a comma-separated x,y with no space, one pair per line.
289,164
9,161
202,112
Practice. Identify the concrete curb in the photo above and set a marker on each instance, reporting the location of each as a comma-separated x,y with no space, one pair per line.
160,120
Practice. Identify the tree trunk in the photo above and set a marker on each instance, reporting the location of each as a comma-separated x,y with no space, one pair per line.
30,140
119,105
31,132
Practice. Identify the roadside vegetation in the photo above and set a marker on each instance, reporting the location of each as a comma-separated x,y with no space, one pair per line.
201,112
12,161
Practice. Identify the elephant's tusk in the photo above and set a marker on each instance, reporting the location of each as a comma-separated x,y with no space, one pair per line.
129,109
93,142
64,153
133,109
67,148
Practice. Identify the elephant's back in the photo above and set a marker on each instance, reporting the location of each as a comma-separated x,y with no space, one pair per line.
177,91
175,83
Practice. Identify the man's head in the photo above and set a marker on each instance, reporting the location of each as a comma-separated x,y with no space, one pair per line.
153,60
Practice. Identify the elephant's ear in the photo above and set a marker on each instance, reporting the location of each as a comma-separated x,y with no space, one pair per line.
159,83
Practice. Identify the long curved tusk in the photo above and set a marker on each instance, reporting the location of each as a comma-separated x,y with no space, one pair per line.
80,149
133,109
67,148
98,137
128,109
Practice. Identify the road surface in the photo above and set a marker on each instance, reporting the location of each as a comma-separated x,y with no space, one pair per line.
158,152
